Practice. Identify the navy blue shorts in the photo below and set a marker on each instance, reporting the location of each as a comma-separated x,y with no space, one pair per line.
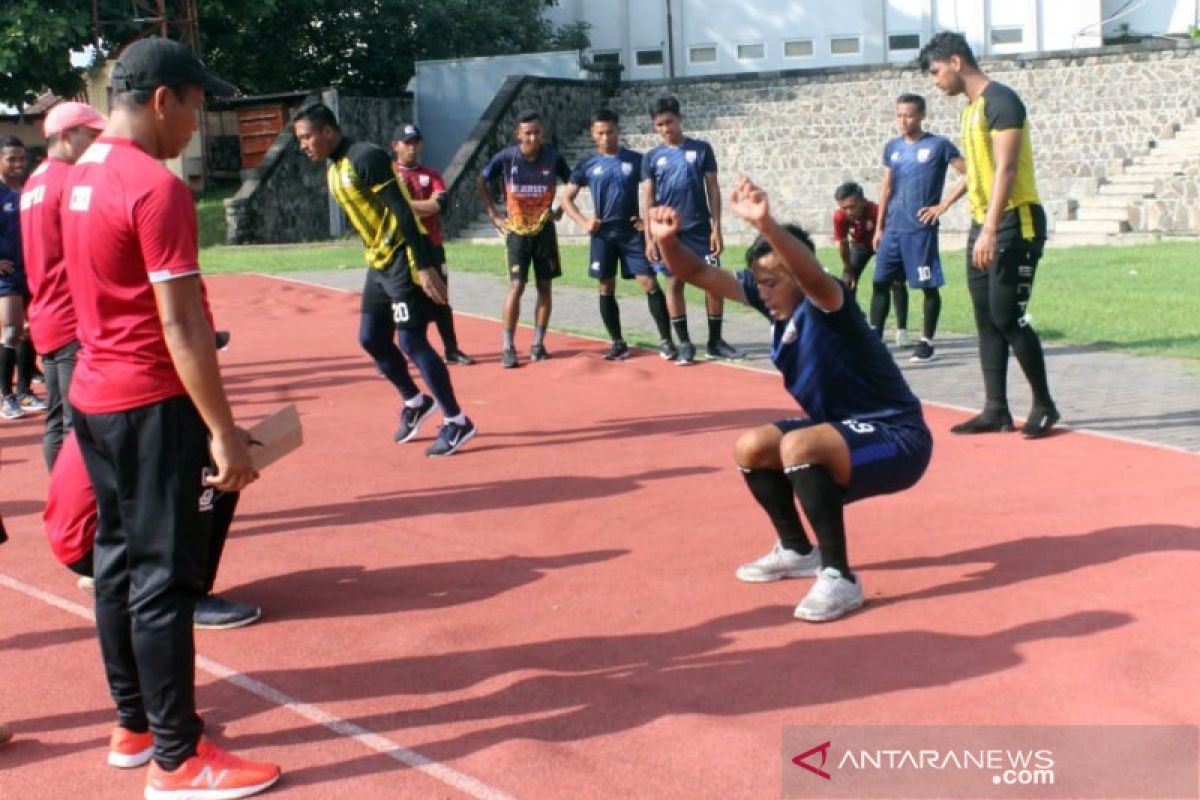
13,283
612,245
698,240
885,457
912,255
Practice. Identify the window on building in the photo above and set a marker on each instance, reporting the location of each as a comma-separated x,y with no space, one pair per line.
607,57
1008,35
798,48
751,52
704,54
649,58
904,41
844,45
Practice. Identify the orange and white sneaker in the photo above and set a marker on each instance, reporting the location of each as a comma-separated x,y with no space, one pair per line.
211,774
127,749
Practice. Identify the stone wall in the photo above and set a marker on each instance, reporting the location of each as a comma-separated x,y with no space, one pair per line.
565,107
285,199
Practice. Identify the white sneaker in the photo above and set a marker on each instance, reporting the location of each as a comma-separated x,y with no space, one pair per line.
780,563
832,596
903,339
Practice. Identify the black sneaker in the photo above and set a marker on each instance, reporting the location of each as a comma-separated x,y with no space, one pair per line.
667,351
221,339
538,353
619,351
411,418
687,354
214,612
923,353
451,437
987,422
1039,422
508,359
723,349
459,357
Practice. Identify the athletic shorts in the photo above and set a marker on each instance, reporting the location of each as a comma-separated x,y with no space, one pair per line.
14,283
539,249
611,245
912,255
699,241
885,456
392,291
859,258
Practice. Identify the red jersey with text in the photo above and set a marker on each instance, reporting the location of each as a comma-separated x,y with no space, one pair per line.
860,231
528,185
51,313
423,183
127,223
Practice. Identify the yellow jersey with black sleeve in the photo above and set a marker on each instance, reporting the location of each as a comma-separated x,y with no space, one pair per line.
996,109
361,179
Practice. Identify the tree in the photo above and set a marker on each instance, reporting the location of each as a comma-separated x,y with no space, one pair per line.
36,39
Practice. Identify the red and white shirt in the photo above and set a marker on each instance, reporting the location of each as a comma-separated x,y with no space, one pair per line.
861,231
127,223
423,183
51,314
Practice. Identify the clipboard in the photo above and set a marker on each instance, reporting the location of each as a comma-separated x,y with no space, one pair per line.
275,436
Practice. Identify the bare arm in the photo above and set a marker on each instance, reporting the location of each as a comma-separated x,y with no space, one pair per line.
684,264
1006,148
931,214
712,187
489,205
429,207
646,190
591,225
189,340
885,197
750,203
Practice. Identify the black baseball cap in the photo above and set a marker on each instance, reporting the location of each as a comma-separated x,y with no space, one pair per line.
154,61
406,132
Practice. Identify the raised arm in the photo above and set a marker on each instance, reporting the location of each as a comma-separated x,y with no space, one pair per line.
663,226
750,203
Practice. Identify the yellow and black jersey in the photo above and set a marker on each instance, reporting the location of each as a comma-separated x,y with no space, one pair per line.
361,179
998,108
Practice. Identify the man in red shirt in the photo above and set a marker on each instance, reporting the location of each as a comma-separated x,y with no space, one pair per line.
427,196
152,418
70,128
854,223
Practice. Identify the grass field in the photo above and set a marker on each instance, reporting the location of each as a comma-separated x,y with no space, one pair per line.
1138,299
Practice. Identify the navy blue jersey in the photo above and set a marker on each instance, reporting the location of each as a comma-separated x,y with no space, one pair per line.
678,175
834,365
10,226
918,174
613,183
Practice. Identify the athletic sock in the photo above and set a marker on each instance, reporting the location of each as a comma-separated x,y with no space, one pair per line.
823,502
715,323
508,340
773,492
415,401
932,309
8,366
26,365
610,313
657,301
900,303
444,319
458,419
681,328
539,336
881,302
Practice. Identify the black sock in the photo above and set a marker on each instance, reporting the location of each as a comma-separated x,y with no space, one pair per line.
8,366
444,319
681,329
773,492
932,309
823,503
900,302
881,300
26,362
657,301
714,329
610,312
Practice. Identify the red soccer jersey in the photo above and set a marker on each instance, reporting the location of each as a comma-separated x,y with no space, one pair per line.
70,515
128,223
51,314
423,183
861,231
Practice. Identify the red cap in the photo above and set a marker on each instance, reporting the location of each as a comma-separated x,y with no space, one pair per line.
65,116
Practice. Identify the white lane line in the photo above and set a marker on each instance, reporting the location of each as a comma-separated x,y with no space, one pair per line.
372,741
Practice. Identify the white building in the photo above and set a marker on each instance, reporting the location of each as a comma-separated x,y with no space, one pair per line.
677,38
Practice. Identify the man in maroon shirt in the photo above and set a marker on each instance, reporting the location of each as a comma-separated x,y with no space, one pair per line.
427,195
70,128
152,418
854,223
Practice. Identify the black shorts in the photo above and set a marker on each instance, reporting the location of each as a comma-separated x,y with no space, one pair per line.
539,249
396,288
613,245
859,258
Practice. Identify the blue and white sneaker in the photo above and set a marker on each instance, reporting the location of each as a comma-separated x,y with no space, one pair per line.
412,417
451,437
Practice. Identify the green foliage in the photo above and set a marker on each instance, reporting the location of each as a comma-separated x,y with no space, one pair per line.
35,43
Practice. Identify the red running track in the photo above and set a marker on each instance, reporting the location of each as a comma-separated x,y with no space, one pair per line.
552,612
